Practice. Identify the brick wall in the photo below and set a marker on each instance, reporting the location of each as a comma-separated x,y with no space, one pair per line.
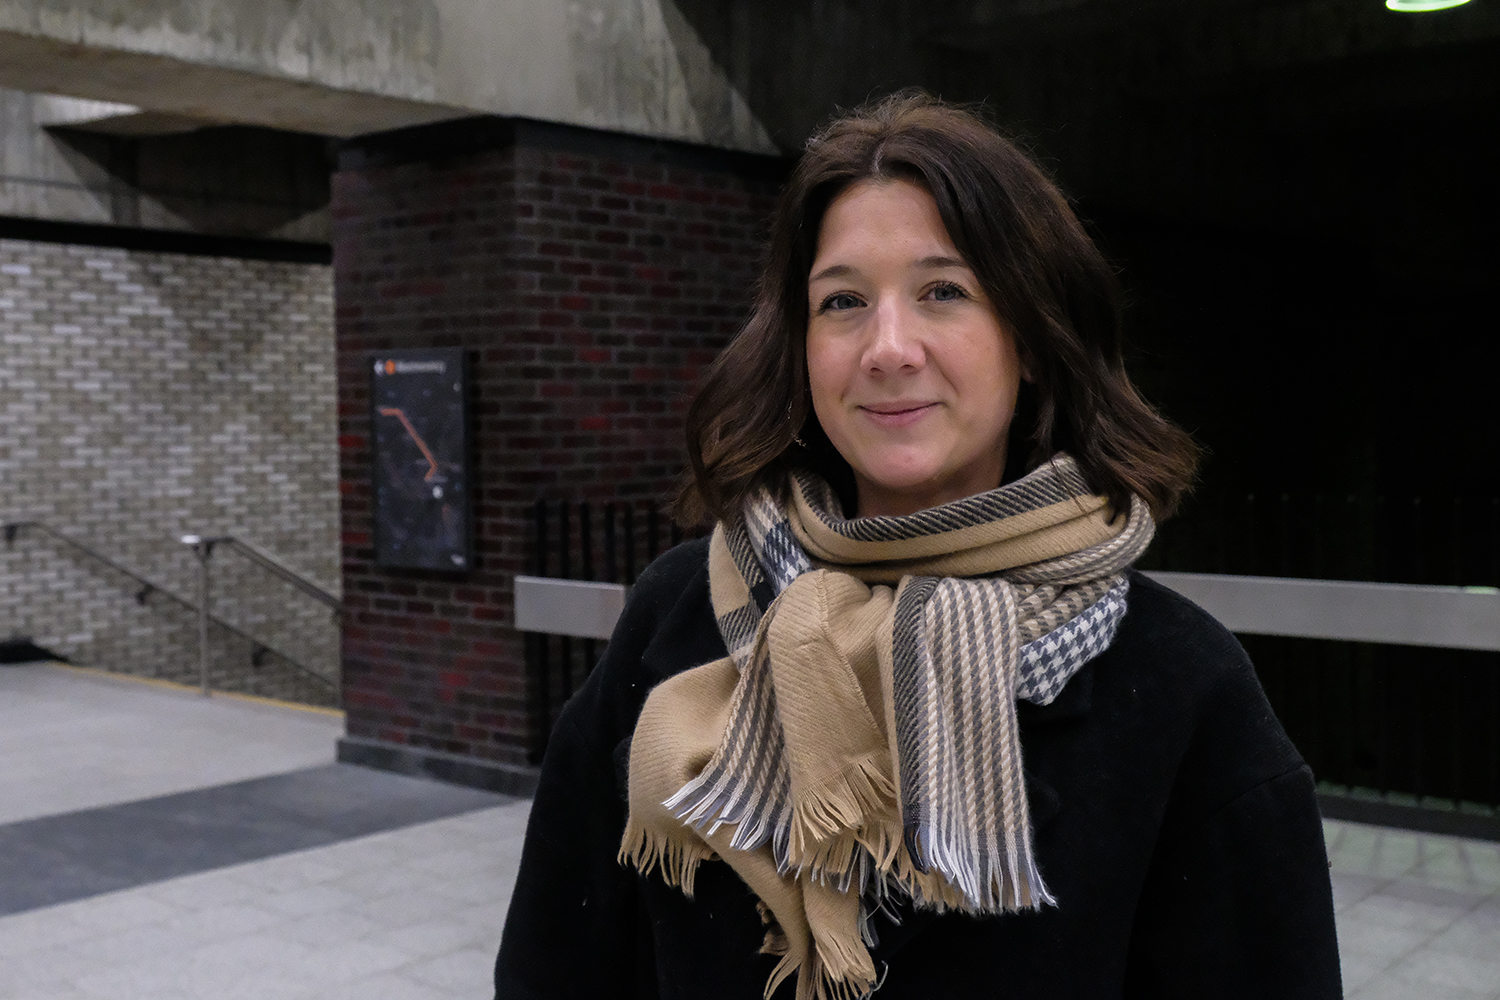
592,278
150,395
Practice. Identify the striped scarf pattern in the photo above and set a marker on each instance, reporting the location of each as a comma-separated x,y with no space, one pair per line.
997,597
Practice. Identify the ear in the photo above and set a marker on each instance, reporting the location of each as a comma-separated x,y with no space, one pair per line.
1026,375
1027,368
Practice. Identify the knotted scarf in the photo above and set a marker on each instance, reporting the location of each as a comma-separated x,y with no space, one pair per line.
860,739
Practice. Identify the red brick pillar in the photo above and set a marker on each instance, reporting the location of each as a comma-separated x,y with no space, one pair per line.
591,278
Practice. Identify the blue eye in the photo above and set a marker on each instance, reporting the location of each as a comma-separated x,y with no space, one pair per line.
840,301
947,292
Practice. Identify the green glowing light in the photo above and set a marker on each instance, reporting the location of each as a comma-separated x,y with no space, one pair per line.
1413,6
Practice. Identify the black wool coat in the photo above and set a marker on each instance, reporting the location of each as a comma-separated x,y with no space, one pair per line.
1175,825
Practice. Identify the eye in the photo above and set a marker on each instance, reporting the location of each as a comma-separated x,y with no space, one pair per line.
947,291
839,301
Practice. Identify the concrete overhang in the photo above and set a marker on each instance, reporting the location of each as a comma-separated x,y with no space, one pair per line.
201,92
351,67
110,118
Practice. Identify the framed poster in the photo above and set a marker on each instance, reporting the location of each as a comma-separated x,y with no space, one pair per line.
419,460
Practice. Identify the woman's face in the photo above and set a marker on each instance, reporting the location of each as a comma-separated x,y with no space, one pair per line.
914,377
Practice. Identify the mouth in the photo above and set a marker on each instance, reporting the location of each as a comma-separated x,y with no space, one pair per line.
897,414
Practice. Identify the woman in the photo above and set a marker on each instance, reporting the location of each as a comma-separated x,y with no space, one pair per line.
798,769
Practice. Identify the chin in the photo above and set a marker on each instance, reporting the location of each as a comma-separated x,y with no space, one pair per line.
914,485
903,475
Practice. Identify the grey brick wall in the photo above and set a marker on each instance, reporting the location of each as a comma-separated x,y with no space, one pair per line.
144,396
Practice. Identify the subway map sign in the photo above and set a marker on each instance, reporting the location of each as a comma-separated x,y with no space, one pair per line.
420,459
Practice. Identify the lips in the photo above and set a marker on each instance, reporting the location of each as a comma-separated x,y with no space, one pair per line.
899,413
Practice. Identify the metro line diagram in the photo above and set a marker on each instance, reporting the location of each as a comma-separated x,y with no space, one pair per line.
419,473
400,414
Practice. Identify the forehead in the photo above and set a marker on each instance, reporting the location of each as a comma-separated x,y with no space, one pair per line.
884,219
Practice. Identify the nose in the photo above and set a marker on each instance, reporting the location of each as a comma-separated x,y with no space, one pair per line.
895,341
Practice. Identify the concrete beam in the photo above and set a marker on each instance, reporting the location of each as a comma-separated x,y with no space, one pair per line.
203,91
109,118
95,162
350,67
568,607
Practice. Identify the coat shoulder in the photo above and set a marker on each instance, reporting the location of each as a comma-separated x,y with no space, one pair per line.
1181,653
667,626
676,578
1160,617
674,605
671,575
1196,680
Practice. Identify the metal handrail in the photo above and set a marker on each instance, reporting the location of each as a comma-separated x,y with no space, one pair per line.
1405,614
273,566
1400,613
13,528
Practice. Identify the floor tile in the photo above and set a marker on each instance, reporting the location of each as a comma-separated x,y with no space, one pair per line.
1380,941
389,986
1349,889
81,739
462,973
1456,972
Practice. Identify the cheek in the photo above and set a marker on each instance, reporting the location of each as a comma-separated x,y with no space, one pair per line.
825,371
985,376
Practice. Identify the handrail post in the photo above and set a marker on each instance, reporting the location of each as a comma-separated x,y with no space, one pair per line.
10,531
203,548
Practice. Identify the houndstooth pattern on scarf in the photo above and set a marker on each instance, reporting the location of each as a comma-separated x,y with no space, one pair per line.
1078,625
1048,663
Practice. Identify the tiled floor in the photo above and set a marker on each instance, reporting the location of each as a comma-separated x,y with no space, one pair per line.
410,914
1418,915
75,855
77,739
414,913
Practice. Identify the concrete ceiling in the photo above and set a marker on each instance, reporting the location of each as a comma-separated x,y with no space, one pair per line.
350,67
745,74
1242,113
1054,60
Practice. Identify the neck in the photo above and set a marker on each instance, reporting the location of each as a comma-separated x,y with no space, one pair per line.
874,499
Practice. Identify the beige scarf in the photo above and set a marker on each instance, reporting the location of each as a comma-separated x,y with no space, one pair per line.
861,738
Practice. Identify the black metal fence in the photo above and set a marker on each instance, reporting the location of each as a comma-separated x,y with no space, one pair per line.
1401,724
1414,539
605,542
1410,725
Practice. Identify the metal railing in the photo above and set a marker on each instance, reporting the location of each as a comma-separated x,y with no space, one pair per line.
1390,690
203,548
270,564
596,549
1394,700
201,608
1403,614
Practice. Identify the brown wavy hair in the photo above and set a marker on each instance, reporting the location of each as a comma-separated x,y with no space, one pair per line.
1047,280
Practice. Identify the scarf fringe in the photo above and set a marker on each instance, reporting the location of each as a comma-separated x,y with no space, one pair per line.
828,823
775,942
706,807
1016,886
788,965
644,849
836,970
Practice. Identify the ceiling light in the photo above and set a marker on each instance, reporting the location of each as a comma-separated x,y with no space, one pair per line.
1414,6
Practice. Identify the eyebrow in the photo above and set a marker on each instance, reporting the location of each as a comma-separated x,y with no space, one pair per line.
925,264
934,263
